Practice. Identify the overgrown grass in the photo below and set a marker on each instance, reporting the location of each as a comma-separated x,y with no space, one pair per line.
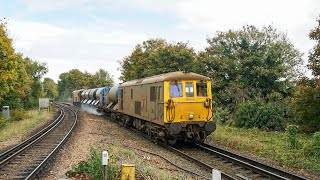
12,127
117,157
271,145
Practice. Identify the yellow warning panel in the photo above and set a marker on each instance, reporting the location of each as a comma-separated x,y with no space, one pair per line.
128,172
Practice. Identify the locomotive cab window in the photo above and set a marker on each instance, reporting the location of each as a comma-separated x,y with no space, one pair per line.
189,89
175,89
202,89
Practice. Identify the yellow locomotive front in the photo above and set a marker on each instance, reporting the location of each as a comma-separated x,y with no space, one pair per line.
188,108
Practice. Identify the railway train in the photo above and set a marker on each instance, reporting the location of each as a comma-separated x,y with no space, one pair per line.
171,106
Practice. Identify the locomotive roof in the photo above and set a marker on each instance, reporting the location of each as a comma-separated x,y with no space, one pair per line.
171,76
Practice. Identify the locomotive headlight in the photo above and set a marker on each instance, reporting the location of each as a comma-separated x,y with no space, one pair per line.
190,116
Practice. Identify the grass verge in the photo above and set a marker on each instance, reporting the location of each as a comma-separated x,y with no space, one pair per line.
12,128
117,157
269,145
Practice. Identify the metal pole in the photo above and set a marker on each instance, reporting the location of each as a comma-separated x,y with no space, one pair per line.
104,172
105,159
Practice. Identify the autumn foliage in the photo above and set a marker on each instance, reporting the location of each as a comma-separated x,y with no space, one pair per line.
19,76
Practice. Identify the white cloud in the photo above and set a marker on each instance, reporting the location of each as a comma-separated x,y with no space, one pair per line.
83,48
52,5
104,42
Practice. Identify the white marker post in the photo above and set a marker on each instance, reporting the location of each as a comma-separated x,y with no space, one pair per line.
216,175
105,159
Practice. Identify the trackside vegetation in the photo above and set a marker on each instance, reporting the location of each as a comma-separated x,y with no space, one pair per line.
20,80
300,151
117,157
22,123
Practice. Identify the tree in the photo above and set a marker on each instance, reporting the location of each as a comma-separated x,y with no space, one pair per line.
306,100
50,88
250,63
102,78
306,103
314,55
156,56
14,79
69,81
35,71
75,79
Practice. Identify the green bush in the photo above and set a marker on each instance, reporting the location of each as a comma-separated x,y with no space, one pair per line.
306,105
19,114
2,121
94,167
292,131
256,114
312,149
246,114
221,115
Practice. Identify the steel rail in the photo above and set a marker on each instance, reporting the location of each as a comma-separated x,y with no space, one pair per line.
192,159
43,163
33,170
174,150
9,154
251,164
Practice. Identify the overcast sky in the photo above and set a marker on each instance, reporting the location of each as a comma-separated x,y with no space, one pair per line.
92,34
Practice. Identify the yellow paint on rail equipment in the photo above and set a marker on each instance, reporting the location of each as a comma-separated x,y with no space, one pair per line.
128,172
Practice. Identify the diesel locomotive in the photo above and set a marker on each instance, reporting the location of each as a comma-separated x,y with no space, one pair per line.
171,106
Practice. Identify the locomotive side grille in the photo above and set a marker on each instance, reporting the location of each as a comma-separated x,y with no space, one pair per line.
137,107
153,93
121,99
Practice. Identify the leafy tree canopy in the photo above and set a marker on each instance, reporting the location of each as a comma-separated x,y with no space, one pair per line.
50,88
75,79
156,56
314,55
306,100
249,63
306,103
14,79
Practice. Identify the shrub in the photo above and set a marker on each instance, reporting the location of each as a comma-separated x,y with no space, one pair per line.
2,121
312,149
19,114
292,136
94,167
306,104
256,114
246,114
221,115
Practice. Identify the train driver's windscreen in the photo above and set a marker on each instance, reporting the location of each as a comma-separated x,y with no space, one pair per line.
202,89
175,89
189,89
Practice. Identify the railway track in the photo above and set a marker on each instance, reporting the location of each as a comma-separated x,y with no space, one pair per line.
177,151
25,160
232,166
254,168
237,166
